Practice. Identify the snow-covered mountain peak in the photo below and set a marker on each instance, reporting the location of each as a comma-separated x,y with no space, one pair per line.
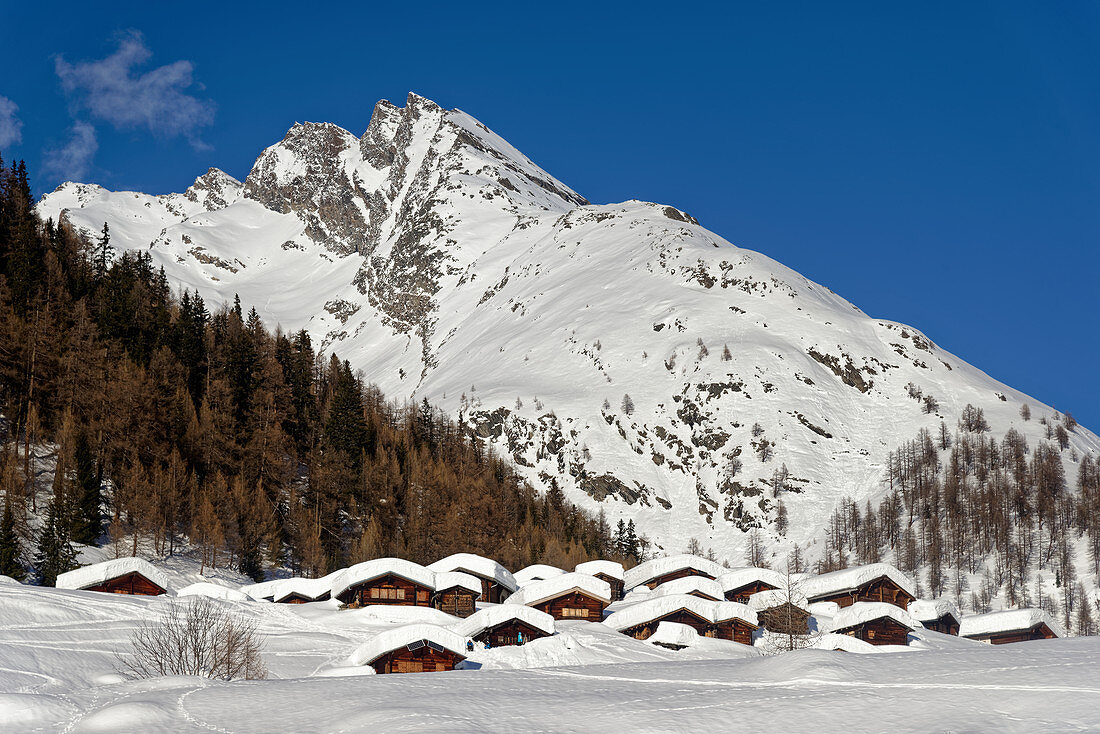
642,363
214,190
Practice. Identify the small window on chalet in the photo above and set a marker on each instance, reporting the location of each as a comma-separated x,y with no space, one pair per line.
570,612
386,592
421,595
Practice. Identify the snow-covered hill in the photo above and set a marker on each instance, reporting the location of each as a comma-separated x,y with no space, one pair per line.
643,362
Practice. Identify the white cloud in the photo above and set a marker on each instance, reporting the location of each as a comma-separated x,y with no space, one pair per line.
11,129
71,162
157,100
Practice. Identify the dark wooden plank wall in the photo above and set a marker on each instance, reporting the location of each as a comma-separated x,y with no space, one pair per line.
680,574
617,588
392,590
131,583
881,589
1038,632
742,593
574,600
421,660
508,633
882,631
459,602
945,624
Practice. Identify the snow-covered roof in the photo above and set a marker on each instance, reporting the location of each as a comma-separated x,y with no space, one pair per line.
655,607
360,572
847,643
539,591
536,572
478,566
214,591
727,610
450,579
740,577
929,610
777,597
1009,620
608,568
99,573
646,572
309,588
847,579
674,633
262,590
398,637
688,584
866,611
487,617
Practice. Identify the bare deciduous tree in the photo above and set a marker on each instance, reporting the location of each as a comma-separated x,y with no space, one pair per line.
198,637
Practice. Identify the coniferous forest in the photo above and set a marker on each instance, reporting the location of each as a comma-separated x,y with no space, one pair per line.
177,424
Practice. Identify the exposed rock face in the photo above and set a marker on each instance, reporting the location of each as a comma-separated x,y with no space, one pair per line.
646,365
214,190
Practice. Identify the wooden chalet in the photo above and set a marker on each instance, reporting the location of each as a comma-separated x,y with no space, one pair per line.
497,582
507,624
608,571
878,623
414,648
720,620
741,583
658,571
456,593
391,581
1013,625
118,576
878,582
299,590
572,596
938,615
735,621
784,612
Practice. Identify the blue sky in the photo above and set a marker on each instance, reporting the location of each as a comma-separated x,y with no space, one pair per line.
935,163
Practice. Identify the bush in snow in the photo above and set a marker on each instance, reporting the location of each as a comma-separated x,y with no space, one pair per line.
199,637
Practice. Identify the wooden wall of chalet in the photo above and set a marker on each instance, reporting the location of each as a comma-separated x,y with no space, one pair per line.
508,633
459,602
421,660
131,583
737,630
742,593
880,589
785,619
1038,632
491,591
682,573
882,631
946,624
574,605
617,587
387,589
294,598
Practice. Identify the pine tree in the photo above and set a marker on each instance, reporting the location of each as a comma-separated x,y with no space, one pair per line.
56,554
10,546
101,257
87,519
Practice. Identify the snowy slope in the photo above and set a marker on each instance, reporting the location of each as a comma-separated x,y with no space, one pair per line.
445,264
59,674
